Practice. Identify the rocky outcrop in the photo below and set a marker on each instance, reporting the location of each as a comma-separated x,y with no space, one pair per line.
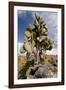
45,70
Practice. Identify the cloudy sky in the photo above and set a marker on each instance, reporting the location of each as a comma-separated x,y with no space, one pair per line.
26,18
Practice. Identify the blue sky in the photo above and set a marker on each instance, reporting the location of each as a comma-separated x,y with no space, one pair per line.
26,18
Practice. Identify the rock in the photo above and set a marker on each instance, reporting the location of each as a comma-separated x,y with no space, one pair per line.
44,71
30,77
33,70
24,77
38,73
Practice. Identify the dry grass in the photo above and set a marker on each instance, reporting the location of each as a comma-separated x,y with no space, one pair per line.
22,61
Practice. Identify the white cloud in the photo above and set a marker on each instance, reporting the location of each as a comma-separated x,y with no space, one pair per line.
21,12
51,19
48,52
20,45
47,16
18,48
52,52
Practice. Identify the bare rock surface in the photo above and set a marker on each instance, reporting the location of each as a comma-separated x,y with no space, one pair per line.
45,70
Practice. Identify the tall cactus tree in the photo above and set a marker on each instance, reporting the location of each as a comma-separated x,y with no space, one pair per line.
36,39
